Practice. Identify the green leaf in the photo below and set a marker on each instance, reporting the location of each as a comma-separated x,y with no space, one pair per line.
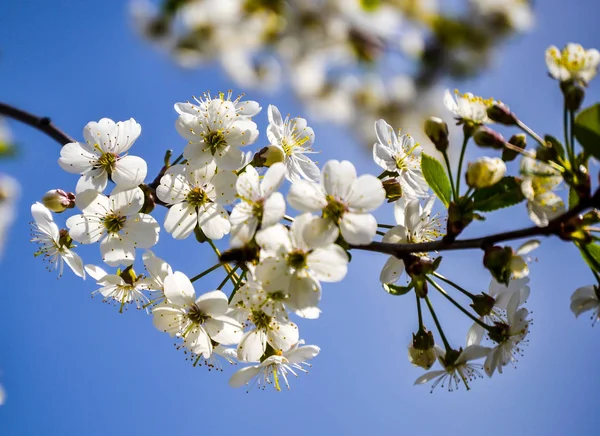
591,255
505,193
573,198
587,129
397,290
556,145
436,178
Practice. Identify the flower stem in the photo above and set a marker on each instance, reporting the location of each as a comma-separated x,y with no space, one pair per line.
454,302
451,283
227,277
450,175
203,273
437,324
421,327
525,128
568,144
460,162
385,226
237,286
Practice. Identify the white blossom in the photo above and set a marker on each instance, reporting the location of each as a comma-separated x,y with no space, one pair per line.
294,138
519,264
586,299
196,195
104,155
115,221
216,132
344,200
539,181
199,321
456,367
273,367
122,289
572,63
9,194
415,224
261,205
400,154
54,245
468,107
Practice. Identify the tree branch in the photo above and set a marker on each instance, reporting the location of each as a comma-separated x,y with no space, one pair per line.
554,227
43,124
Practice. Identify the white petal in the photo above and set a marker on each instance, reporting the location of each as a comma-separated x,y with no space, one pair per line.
306,196
273,179
126,201
180,220
243,376
74,262
248,185
367,194
302,354
142,229
392,270
273,210
44,221
85,230
96,179
274,237
329,264
214,221
126,132
95,272
319,232
283,336
213,303
429,376
76,158
117,251
179,290
129,171
475,334
358,228
338,178
252,346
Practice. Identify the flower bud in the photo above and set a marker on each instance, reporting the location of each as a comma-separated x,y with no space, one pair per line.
267,156
149,199
574,94
482,304
437,130
58,200
393,190
500,113
421,351
519,140
485,172
486,137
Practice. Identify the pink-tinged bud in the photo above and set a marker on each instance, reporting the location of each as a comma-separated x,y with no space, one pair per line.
485,172
519,140
437,130
500,113
58,200
486,137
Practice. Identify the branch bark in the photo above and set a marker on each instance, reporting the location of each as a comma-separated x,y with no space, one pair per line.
43,124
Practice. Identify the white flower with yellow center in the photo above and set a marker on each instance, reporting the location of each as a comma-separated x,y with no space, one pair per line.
508,336
519,263
294,138
281,364
246,108
115,221
456,367
586,299
197,195
121,289
415,224
572,63
468,108
344,201
261,205
216,133
199,321
104,155
400,154
539,181
55,245
158,270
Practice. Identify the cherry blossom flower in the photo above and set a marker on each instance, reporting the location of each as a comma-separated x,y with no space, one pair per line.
456,367
415,224
197,195
216,133
158,270
539,181
344,201
199,321
572,63
468,108
260,207
54,245
586,299
115,221
400,154
278,365
103,156
294,138
123,288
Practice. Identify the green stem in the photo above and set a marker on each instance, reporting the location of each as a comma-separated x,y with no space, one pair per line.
437,324
225,265
203,273
453,301
572,132
238,286
227,277
421,327
460,163
176,161
450,175
451,283
385,226
568,144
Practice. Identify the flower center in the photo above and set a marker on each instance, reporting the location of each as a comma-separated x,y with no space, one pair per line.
107,162
334,210
114,222
260,319
258,209
196,315
197,197
297,259
215,140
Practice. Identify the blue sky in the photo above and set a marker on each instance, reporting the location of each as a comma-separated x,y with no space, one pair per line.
72,365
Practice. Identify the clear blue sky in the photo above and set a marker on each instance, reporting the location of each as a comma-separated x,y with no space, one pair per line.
74,366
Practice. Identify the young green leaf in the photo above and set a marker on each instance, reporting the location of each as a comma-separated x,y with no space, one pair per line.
436,178
505,193
397,290
587,129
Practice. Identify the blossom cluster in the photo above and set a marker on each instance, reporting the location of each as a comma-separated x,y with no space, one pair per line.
276,263
317,46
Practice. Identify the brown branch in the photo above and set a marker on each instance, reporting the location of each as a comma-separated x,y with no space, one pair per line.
43,124
554,227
